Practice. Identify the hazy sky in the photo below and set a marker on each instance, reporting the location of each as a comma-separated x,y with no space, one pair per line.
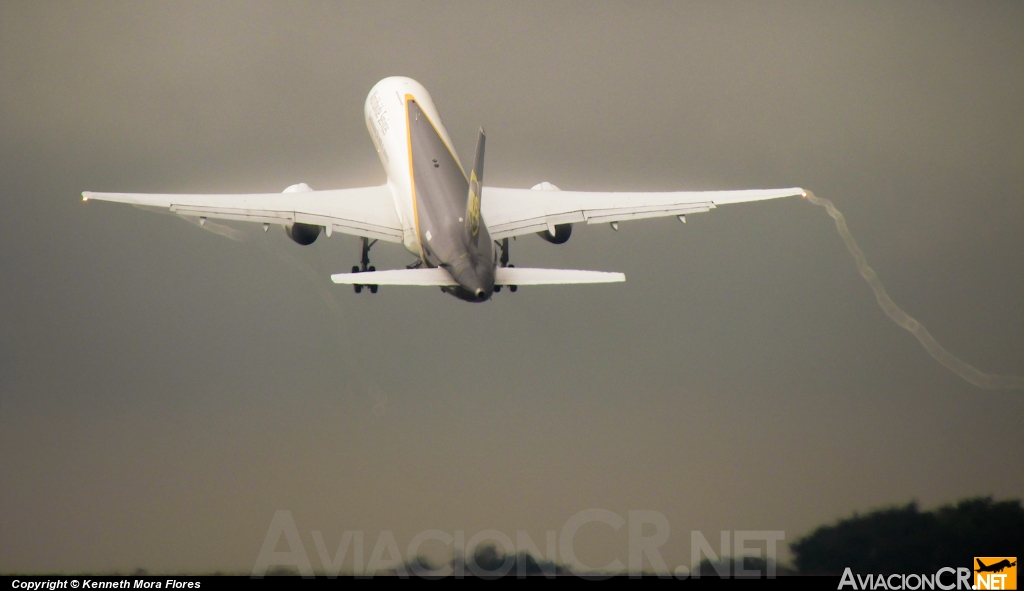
163,389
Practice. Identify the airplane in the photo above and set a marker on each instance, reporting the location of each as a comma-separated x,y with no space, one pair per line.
994,568
457,228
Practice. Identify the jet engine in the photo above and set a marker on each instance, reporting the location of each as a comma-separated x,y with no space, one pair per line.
304,234
561,232
561,235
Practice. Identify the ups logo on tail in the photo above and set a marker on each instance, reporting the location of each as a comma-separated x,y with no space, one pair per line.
995,572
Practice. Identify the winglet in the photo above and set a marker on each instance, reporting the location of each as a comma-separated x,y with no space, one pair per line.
476,177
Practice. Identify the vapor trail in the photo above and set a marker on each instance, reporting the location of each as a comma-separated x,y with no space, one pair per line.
897,315
320,282
209,226
219,229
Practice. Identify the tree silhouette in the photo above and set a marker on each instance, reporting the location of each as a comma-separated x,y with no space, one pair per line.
488,562
906,540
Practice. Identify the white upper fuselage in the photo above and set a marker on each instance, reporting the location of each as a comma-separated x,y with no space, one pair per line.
385,112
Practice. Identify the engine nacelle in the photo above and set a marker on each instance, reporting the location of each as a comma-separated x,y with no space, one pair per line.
561,232
561,235
304,234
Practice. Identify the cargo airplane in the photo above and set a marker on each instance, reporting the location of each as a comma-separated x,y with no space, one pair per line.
457,228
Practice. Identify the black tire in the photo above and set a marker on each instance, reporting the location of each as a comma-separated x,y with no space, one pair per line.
497,288
373,289
355,269
358,288
513,288
372,268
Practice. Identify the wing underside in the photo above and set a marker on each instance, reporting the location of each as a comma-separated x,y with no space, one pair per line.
368,211
514,212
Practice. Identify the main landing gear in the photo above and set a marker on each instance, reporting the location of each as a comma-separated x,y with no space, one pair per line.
365,266
503,245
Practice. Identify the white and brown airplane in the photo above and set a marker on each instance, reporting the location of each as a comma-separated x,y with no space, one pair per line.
436,210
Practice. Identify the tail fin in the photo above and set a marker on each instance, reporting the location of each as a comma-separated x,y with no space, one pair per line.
475,178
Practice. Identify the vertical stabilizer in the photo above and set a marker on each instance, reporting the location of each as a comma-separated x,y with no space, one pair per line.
476,177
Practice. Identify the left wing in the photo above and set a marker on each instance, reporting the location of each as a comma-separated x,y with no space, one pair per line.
514,212
368,211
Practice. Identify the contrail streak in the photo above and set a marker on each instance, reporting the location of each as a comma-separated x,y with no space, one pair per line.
219,229
322,285
897,315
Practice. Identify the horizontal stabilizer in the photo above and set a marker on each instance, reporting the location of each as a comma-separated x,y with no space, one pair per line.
521,276
435,276
502,276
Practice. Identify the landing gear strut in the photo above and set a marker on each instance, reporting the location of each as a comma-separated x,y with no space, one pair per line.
364,265
503,245
503,261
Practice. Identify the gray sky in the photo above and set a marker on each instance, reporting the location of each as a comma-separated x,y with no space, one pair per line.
163,390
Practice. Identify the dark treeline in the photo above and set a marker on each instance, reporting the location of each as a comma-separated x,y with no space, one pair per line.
734,567
907,540
889,540
898,539
489,562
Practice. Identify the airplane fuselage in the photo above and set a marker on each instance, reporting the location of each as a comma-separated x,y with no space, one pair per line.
429,185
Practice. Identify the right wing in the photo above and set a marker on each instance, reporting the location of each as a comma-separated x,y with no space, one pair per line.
514,212
368,211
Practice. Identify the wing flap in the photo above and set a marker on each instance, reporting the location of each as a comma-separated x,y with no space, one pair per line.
617,215
241,215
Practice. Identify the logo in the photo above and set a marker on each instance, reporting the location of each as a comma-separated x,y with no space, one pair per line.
474,205
995,572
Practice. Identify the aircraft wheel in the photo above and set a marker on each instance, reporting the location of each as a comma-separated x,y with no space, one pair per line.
513,288
372,268
373,289
355,269
497,288
358,288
